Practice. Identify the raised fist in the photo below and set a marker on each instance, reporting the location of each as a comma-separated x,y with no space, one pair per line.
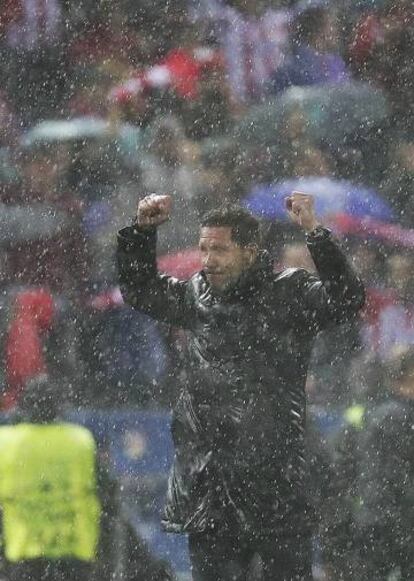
153,210
301,209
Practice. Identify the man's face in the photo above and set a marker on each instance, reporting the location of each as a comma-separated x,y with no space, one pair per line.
223,259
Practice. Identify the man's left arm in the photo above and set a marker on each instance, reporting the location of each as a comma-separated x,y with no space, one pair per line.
338,293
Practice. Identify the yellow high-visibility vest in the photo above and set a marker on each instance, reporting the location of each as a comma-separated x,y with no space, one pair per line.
48,492
355,415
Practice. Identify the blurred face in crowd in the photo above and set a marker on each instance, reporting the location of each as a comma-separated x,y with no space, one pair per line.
404,387
223,260
295,124
366,263
43,171
167,146
40,173
405,156
312,162
400,275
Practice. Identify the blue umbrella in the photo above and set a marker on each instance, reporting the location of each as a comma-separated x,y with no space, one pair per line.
331,197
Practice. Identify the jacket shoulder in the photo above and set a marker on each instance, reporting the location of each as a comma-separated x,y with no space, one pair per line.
293,274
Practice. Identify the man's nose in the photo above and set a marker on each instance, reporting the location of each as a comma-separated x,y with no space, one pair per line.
208,259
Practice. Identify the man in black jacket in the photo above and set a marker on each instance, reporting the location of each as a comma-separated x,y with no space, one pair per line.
238,484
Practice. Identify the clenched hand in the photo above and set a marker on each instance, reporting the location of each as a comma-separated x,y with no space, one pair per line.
301,209
153,210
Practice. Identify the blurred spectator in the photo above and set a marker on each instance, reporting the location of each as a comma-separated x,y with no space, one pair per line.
253,38
398,184
393,327
221,170
104,48
9,127
88,94
125,356
48,493
315,56
362,377
339,534
310,160
382,51
162,22
34,68
189,80
340,505
172,165
368,259
24,350
211,113
41,337
9,135
386,482
45,244
365,369
298,154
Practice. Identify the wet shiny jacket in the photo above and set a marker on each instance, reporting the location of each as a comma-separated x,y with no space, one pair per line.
238,426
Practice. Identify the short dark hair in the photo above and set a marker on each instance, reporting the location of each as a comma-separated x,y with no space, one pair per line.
245,228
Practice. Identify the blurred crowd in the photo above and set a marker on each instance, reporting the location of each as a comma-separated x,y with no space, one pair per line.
103,101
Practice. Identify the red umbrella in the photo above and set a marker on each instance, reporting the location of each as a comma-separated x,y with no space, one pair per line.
182,264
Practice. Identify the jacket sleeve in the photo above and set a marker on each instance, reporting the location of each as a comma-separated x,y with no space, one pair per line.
162,297
337,294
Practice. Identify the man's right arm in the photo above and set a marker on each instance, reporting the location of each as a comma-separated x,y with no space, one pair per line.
142,286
